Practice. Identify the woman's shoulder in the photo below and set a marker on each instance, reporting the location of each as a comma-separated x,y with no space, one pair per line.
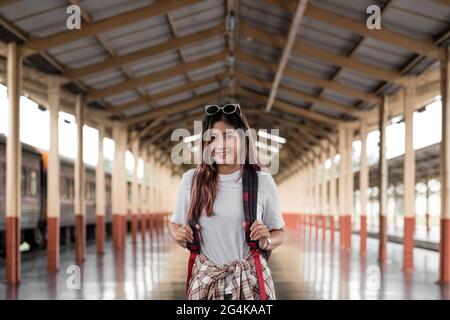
188,176
265,178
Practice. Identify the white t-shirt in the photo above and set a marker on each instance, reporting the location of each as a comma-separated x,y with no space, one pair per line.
222,235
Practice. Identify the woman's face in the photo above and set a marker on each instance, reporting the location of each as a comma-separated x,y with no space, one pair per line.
225,143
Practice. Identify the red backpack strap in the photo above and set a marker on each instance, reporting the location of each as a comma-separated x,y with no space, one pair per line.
250,201
194,248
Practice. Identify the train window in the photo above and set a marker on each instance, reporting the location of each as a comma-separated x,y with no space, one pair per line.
2,177
23,182
108,194
62,187
90,191
33,184
71,188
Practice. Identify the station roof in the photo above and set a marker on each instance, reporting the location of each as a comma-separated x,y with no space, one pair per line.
154,64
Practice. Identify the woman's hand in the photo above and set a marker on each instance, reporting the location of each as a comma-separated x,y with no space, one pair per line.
185,234
259,231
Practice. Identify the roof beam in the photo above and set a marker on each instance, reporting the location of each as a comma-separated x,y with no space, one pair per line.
104,42
154,77
303,96
289,108
324,83
171,44
424,47
164,94
173,108
293,31
157,8
326,56
232,10
6,2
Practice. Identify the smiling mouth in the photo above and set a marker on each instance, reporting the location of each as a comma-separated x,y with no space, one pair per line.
222,154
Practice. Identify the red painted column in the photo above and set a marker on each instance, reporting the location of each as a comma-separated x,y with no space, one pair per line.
333,199
80,237
383,182
444,265
135,198
13,165
53,178
80,209
323,197
342,188
100,196
363,186
409,181
349,187
119,186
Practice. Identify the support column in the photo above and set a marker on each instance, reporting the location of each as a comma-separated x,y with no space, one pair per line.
342,187
144,197
363,185
310,197
383,181
100,196
316,198
151,193
444,270
349,188
80,209
409,180
427,209
135,192
332,193
324,198
119,187
13,165
53,179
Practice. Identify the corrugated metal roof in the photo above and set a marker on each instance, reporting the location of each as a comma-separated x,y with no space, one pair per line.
423,20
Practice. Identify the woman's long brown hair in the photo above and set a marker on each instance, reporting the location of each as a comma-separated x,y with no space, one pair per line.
204,182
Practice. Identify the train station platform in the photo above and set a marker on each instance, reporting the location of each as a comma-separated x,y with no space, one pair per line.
106,104
302,269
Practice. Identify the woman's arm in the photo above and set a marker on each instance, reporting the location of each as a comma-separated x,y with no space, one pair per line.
181,233
277,238
259,231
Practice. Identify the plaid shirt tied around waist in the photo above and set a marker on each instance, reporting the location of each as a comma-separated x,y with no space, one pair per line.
208,279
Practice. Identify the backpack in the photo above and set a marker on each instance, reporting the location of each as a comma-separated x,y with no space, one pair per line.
250,201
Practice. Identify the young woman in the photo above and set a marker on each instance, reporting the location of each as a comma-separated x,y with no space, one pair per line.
211,196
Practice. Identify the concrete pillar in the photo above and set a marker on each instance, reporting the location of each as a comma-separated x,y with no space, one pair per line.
119,187
151,192
363,185
409,181
324,198
309,198
427,210
342,188
80,208
144,197
444,270
53,178
332,201
383,169
349,188
13,165
100,196
302,194
135,192
316,197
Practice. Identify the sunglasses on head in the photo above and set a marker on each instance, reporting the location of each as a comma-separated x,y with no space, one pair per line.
228,108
